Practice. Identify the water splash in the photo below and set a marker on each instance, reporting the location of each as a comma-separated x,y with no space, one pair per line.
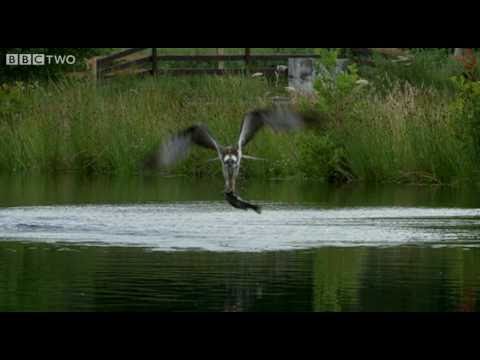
213,226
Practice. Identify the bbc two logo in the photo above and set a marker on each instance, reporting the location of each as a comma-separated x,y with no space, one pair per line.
39,59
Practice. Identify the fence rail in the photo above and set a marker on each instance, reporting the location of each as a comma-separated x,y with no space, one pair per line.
106,67
118,55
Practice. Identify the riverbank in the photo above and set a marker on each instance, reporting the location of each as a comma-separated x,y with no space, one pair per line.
412,131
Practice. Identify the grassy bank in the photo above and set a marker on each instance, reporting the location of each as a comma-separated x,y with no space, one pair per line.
109,128
417,122
387,131
411,135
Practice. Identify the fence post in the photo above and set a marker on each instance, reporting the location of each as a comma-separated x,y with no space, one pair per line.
94,66
247,58
154,61
221,63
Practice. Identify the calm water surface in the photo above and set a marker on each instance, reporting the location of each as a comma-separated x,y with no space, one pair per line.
72,243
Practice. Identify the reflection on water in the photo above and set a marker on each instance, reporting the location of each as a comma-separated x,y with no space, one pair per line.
37,275
70,190
45,277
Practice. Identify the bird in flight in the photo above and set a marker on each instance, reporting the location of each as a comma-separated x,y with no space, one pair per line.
177,147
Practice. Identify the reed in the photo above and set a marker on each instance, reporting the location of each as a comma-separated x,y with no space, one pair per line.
409,135
412,134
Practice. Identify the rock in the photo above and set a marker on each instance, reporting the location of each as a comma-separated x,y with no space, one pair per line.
301,74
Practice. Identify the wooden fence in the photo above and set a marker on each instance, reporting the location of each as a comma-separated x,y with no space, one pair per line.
111,65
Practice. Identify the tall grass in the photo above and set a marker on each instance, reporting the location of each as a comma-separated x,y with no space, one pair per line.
410,133
110,127
427,68
417,126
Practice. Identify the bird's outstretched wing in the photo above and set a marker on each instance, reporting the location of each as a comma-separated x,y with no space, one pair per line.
178,146
280,119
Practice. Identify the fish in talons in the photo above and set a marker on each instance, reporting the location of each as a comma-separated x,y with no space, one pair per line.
176,147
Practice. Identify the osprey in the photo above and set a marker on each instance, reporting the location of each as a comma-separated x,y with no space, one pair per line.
279,118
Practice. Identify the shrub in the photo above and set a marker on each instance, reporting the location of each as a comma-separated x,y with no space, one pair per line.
426,68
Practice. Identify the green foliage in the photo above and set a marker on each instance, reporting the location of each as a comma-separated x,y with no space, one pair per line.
14,96
425,68
466,107
335,89
328,57
409,135
400,125
322,158
76,125
403,127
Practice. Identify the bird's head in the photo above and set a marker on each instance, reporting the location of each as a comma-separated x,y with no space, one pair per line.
230,159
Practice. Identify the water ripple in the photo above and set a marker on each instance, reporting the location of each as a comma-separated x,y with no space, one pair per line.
215,227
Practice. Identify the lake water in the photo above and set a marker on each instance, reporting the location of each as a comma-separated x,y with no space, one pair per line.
70,243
